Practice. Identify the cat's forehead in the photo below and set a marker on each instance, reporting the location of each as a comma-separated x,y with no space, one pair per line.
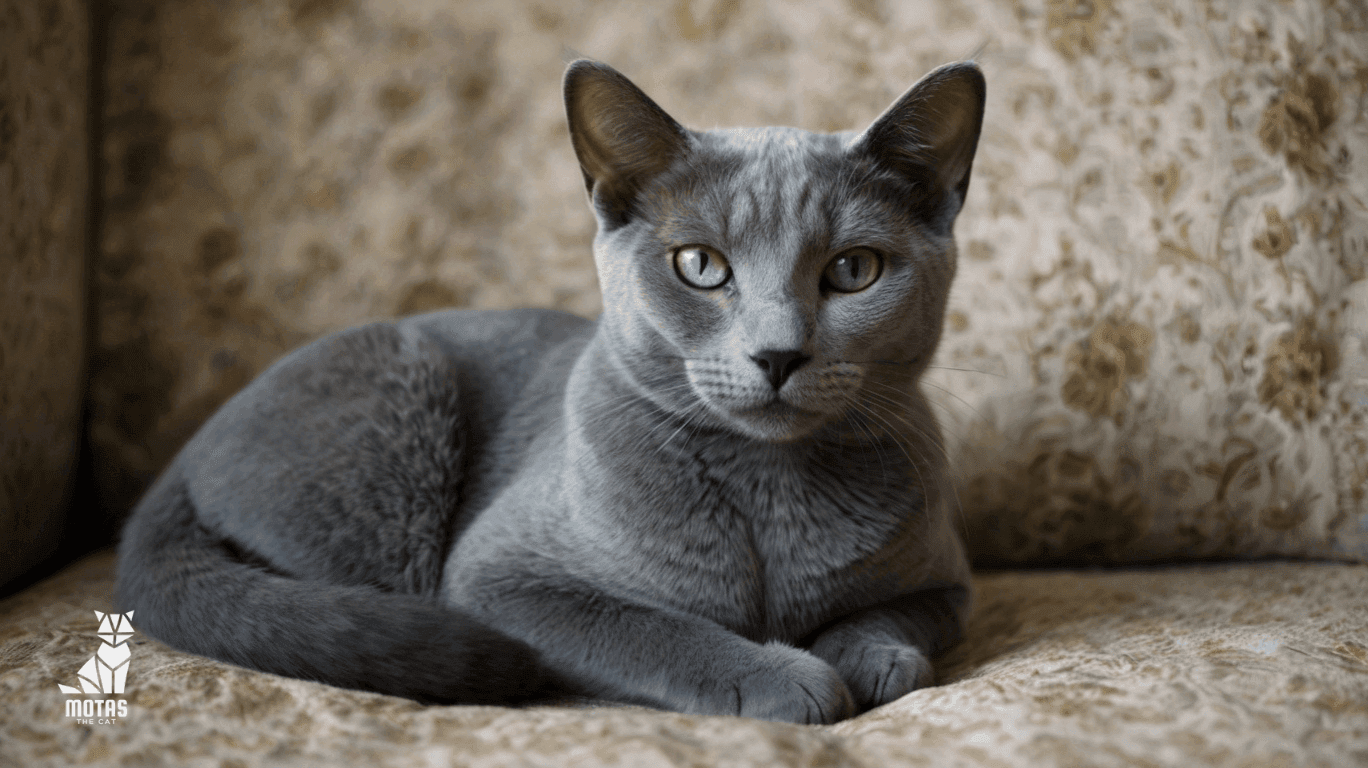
774,186
775,142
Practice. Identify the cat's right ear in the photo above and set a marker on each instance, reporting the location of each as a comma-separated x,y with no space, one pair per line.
622,139
929,136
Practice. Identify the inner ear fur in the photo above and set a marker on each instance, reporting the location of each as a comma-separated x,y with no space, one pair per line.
621,138
930,134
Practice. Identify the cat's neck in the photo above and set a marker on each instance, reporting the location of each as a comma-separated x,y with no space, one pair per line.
608,407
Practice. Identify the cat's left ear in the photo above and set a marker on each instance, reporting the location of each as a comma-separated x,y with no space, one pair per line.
929,136
622,139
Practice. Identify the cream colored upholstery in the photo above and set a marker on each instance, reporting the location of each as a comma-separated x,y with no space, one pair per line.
1254,664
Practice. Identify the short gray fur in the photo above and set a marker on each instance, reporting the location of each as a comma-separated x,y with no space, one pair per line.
720,500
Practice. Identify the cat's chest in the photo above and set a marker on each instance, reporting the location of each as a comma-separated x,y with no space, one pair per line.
770,549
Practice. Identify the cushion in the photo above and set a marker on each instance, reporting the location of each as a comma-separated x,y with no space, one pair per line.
1226,665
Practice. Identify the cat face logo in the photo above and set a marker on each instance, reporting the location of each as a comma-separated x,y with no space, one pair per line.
108,668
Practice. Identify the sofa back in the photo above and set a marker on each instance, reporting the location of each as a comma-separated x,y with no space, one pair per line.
44,194
1156,347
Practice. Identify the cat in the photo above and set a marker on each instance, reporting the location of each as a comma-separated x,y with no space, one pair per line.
726,496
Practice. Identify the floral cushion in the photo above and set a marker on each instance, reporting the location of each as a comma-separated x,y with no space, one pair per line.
1215,665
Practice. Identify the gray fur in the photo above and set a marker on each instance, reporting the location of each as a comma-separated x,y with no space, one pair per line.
646,508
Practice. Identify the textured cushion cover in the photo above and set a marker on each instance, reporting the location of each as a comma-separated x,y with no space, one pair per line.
1225,665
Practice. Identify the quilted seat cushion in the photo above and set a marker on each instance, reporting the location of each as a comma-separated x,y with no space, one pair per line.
1221,665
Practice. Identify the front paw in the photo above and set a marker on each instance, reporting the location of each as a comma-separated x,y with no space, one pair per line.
792,685
878,673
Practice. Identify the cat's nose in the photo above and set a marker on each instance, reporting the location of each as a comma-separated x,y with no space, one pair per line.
779,364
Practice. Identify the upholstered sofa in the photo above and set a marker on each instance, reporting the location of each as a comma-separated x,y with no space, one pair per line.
1153,381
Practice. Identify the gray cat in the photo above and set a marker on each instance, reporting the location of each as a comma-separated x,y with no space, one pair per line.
725,496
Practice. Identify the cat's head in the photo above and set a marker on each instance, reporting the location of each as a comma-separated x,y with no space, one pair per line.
772,281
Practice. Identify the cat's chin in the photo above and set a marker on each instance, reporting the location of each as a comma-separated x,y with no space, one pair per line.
776,422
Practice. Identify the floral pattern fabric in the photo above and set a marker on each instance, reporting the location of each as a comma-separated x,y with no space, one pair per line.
1156,347
1217,665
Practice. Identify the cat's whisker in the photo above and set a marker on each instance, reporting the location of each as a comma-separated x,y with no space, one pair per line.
965,370
943,406
896,410
954,491
910,361
901,444
868,408
936,472
611,406
603,423
957,417
665,419
966,404
611,414
873,442
610,411
688,419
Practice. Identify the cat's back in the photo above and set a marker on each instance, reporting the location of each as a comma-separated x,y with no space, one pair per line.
400,404
483,358
502,352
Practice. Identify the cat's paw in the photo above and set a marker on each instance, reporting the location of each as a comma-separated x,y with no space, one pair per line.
878,673
792,685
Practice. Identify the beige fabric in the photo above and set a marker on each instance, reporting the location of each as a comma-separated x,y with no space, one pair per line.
1256,664
1162,283
43,189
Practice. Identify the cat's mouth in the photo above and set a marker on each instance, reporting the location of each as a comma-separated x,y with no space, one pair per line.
777,420
776,406
747,403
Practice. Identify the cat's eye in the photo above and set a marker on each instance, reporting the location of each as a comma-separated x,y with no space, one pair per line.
854,270
701,266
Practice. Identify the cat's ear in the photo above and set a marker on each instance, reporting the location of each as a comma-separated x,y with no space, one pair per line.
929,136
622,139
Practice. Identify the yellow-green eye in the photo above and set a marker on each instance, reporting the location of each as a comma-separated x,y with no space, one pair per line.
701,266
854,270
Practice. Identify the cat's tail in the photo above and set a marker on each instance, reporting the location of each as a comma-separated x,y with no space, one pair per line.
195,593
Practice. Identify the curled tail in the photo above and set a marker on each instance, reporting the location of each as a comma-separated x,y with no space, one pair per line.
196,593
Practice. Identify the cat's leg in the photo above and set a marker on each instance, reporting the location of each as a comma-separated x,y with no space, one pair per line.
612,648
884,652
